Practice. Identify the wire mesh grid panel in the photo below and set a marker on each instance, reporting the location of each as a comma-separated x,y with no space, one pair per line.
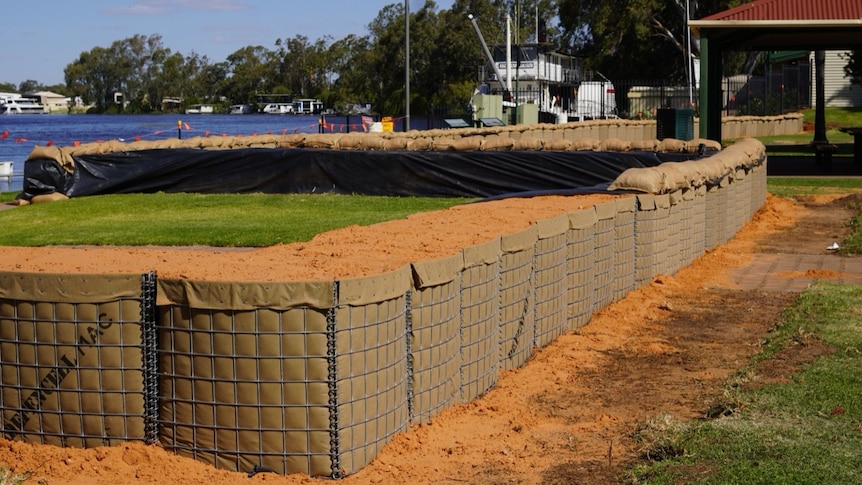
759,192
580,267
246,389
650,236
371,366
435,343
517,298
551,279
731,192
726,209
604,254
480,313
694,218
624,247
675,237
714,217
72,368
745,197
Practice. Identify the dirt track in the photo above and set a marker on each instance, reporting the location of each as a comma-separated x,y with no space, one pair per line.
569,415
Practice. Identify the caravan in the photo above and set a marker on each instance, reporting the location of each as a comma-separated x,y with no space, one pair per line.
595,100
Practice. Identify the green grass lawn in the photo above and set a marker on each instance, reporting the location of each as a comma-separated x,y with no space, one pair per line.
835,118
807,431
243,220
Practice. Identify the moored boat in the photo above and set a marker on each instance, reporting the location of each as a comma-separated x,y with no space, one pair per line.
200,109
279,109
241,109
12,103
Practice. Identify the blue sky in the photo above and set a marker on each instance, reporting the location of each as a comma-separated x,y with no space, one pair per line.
40,38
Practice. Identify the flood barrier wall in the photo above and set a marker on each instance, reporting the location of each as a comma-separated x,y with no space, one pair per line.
316,377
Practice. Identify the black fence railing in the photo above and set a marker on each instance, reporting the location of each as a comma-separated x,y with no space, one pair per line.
783,90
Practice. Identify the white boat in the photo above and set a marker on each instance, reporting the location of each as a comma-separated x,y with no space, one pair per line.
241,109
279,109
17,105
307,106
6,169
200,109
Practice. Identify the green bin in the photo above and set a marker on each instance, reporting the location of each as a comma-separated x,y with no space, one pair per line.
675,123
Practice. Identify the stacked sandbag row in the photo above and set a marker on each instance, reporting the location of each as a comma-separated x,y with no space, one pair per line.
373,141
607,135
758,126
691,205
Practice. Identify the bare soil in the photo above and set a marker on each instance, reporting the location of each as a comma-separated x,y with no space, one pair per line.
568,416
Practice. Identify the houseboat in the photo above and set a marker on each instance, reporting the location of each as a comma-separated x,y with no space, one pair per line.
200,109
279,109
15,104
241,109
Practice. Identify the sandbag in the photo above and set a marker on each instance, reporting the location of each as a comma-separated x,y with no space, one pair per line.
557,145
649,180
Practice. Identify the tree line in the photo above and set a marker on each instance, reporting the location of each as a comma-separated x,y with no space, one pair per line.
622,39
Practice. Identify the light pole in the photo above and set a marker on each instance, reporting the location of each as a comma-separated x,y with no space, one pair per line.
407,65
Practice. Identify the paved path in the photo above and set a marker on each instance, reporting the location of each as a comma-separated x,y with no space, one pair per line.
796,272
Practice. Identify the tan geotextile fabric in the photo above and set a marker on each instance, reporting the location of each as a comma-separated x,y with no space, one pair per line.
672,176
517,311
371,364
624,247
75,344
651,236
236,358
551,253
480,301
435,336
580,267
604,253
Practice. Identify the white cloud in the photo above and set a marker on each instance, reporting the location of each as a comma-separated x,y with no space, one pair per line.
162,7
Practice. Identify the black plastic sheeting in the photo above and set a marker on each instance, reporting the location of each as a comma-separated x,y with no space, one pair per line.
282,171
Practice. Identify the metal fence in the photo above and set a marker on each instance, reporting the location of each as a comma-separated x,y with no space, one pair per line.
782,91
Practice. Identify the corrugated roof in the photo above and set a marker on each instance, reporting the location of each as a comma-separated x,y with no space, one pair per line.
784,10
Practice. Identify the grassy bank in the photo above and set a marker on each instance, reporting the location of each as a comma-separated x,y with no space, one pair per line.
808,430
796,143
791,186
246,220
250,220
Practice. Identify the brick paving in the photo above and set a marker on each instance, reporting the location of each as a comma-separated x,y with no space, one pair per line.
796,272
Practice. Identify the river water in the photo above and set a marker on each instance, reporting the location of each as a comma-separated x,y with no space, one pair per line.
20,133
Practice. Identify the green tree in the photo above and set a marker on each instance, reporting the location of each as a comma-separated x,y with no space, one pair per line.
29,86
853,68
95,78
350,86
128,67
302,66
249,73
634,38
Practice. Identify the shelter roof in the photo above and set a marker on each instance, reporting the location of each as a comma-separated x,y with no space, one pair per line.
784,10
785,24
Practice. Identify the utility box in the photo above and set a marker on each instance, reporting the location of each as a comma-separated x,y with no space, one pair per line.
526,114
487,106
674,123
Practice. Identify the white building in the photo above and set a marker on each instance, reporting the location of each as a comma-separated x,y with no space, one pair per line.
838,89
53,102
